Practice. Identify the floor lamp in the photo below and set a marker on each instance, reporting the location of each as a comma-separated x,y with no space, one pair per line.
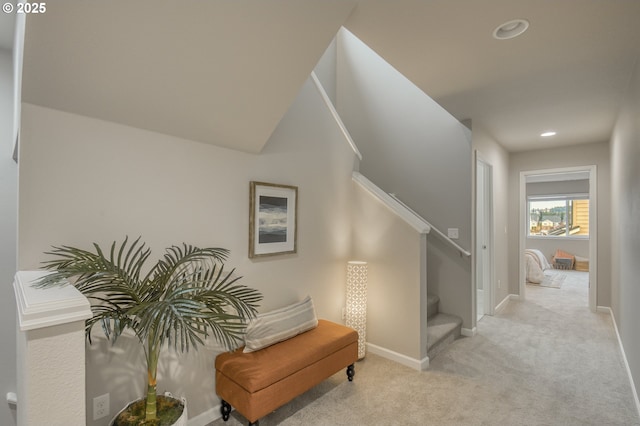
356,314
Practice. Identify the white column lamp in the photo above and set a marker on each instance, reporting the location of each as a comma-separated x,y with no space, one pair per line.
356,315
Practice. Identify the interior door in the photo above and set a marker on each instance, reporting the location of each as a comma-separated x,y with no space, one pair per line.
484,231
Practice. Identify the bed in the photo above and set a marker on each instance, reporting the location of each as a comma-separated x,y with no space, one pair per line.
535,265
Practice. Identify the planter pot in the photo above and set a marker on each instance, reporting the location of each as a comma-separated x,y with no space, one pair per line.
181,421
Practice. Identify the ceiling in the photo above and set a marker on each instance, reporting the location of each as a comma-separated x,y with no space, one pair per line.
217,71
225,72
567,72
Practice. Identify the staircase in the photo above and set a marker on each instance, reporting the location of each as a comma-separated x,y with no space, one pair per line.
442,329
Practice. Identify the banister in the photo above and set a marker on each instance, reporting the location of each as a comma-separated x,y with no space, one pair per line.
334,113
409,216
441,234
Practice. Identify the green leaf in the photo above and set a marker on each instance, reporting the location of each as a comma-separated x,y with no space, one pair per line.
184,298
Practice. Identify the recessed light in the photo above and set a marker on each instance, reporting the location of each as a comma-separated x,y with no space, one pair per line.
510,29
547,134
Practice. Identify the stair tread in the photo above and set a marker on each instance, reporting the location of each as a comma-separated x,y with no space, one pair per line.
440,326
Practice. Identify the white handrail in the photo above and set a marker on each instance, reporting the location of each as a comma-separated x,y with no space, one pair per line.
334,113
409,216
436,230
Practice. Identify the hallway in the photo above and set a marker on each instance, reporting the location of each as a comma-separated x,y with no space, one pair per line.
545,361
548,358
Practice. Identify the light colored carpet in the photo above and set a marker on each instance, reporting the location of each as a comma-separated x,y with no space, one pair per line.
545,361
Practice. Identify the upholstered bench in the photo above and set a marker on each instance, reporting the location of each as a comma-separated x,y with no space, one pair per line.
259,382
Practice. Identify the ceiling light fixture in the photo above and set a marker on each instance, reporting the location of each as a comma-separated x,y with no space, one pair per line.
510,29
547,134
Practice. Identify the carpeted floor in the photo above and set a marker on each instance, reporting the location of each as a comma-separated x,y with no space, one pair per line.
553,278
545,361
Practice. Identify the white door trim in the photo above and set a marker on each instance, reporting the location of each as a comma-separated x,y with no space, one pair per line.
593,228
488,288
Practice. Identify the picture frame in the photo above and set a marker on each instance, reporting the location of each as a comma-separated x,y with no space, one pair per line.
273,219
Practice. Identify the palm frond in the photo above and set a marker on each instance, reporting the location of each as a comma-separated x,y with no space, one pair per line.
96,273
177,260
184,298
197,303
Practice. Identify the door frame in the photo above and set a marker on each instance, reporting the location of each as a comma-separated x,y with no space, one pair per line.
593,228
488,288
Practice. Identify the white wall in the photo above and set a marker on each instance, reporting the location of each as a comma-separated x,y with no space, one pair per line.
8,229
494,154
85,180
326,70
625,236
415,149
396,255
571,156
548,247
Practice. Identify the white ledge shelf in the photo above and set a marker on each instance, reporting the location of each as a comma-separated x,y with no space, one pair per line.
38,307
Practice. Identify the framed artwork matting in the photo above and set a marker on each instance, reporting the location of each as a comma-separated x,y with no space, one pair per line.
273,219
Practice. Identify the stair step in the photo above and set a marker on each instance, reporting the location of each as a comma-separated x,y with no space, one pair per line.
432,305
442,329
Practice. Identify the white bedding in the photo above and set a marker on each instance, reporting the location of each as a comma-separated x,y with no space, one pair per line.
535,265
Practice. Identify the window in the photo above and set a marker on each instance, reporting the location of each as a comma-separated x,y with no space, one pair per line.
558,216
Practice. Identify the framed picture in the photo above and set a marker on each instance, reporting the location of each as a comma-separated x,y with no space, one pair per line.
273,215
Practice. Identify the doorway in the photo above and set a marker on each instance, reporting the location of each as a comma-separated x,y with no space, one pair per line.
484,238
560,175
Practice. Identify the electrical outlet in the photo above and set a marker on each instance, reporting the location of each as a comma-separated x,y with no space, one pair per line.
499,284
100,406
344,313
452,233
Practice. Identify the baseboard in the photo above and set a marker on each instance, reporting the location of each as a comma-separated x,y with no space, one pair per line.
606,309
205,418
469,332
502,304
398,357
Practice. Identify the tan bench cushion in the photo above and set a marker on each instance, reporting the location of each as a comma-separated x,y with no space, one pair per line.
257,370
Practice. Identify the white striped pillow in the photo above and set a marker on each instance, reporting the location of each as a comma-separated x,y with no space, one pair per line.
275,326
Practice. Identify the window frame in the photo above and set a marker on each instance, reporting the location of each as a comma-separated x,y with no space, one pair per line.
555,197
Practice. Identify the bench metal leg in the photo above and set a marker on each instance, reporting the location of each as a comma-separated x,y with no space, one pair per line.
351,371
225,409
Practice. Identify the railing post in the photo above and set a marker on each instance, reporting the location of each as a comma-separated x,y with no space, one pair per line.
51,353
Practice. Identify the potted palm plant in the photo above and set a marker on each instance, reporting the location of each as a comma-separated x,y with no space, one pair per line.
185,297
